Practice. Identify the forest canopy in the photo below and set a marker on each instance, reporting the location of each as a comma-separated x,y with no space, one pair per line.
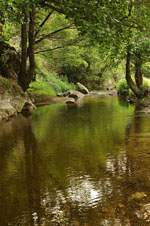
81,40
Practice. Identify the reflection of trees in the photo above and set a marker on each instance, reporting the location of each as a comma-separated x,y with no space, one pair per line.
85,151
10,163
16,142
32,174
74,173
83,130
130,177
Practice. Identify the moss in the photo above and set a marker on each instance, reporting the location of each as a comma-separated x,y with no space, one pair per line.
9,86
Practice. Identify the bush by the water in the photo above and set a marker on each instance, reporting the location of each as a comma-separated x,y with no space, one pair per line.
146,84
124,90
50,86
59,84
48,82
41,87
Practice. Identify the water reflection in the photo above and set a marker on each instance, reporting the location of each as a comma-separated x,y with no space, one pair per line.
85,165
32,174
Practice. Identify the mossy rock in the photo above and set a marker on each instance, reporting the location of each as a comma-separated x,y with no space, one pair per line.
9,61
10,86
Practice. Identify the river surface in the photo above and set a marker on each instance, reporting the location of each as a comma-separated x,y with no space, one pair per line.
76,165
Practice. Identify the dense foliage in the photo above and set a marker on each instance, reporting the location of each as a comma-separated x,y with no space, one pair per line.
83,41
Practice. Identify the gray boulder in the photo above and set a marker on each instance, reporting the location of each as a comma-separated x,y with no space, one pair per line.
110,88
59,94
82,88
73,94
12,105
70,101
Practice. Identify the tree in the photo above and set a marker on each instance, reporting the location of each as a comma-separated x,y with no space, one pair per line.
26,14
114,24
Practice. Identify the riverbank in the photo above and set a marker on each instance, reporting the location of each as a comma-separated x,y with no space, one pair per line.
143,104
68,97
12,99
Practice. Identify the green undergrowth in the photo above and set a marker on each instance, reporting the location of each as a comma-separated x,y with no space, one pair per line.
41,87
122,87
47,82
124,90
9,86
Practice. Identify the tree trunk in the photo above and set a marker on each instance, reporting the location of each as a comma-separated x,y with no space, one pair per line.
130,82
22,73
31,71
138,72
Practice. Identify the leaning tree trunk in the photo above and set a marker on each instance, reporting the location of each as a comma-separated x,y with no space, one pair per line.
138,72
22,73
31,72
129,80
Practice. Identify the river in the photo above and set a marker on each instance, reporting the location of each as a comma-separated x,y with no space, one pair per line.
76,165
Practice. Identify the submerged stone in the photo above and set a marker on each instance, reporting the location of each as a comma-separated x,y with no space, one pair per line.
137,196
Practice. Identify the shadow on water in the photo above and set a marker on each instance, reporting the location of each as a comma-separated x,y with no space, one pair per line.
77,165
32,174
19,174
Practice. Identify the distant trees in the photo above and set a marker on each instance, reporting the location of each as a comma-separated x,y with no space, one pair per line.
117,25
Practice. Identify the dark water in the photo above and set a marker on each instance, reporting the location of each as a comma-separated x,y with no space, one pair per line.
85,165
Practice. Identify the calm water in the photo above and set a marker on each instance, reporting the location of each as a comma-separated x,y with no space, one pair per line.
85,165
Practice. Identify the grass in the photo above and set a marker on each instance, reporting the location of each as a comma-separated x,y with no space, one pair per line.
41,87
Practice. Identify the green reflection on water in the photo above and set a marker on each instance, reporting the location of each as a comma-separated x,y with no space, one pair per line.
81,137
73,165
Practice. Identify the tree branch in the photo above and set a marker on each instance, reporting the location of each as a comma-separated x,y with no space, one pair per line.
130,8
58,47
43,23
44,3
48,50
51,34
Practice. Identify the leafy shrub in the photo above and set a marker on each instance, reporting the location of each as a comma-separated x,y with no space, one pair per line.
122,87
60,84
41,87
146,84
124,90
146,70
57,84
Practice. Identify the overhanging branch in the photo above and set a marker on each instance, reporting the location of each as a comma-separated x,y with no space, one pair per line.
59,47
43,23
51,34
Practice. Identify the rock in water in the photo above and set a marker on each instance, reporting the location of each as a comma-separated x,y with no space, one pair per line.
73,94
12,105
12,99
110,87
82,88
